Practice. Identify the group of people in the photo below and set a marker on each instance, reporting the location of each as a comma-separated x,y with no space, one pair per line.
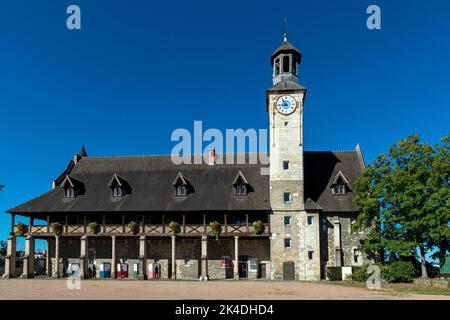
92,270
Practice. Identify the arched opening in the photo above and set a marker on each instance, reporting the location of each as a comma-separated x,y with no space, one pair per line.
286,64
277,66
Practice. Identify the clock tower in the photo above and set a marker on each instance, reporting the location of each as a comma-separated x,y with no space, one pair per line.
294,244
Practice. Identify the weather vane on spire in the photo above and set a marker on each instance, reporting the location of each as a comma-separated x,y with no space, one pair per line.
285,33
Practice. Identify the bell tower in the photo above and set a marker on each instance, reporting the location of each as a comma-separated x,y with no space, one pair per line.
292,239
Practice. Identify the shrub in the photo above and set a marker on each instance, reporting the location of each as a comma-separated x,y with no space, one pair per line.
57,228
21,229
134,227
399,271
258,227
360,273
334,273
216,229
94,227
175,228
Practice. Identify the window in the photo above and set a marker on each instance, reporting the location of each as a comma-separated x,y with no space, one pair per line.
70,192
356,255
241,189
181,190
287,221
294,66
117,192
324,224
287,243
286,64
285,165
310,255
277,67
287,197
339,189
310,220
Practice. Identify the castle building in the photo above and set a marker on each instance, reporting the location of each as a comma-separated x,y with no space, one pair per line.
157,219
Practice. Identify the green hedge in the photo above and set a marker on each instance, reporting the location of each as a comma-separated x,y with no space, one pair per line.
398,271
360,273
334,273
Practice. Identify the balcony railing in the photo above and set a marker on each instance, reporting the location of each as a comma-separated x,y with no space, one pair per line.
149,229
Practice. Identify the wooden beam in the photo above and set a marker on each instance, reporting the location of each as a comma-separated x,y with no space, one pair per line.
184,223
48,223
13,222
84,223
123,223
143,223
104,223
268,222
225,222
246,222
204,223
67,224
163,224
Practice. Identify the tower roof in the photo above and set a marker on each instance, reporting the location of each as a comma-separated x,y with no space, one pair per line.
286,47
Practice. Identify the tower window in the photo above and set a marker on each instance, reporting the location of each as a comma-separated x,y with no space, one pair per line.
287,197
310,255
70,192
287,221
356,255
277,67
310,220
288,243
286,64
285,165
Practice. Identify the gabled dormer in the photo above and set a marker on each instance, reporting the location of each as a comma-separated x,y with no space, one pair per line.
241,184
181,185
119,186
72,187
339,185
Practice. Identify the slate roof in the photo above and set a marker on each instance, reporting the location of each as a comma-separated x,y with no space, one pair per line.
285,46
151,178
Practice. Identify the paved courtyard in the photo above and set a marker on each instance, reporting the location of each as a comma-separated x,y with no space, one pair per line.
139,290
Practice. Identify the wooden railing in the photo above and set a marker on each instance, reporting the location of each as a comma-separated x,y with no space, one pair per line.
150,229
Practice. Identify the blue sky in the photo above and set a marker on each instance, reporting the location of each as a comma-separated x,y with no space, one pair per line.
107,85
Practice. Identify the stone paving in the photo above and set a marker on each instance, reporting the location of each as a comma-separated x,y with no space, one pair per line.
50,289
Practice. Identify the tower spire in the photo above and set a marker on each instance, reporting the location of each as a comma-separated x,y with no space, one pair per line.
285,32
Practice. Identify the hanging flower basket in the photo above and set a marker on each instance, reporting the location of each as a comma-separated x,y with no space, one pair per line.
22,228
216,229
57,228
175,228
258,227
94,228
134,227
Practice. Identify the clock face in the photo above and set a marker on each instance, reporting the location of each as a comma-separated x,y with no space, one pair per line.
286,104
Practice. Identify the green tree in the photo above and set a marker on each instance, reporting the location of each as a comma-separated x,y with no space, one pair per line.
404,198
2,252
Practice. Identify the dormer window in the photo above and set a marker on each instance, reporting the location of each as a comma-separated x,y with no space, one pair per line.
339,184
181,185
69,192
72,187
119,186
240,184
117,192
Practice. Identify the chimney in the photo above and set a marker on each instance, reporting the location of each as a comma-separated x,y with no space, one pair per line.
76,158
212,157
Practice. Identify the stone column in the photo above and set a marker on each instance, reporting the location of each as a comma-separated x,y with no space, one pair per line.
84,257
10,259
204,269
113,257
28,259
174,267
236,258
48,259
337,242
55,270
142,257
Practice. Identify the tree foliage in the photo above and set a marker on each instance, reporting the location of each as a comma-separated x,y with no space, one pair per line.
404,199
